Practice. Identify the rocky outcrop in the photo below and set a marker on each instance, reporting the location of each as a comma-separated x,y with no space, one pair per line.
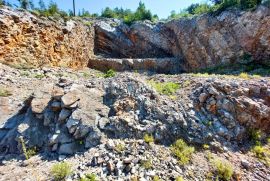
199,42
30,41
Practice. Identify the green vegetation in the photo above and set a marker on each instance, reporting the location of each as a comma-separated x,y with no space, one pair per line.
182,151
148,138
119,148
156,178
39,76
179,179
262,153
4,92
109,73
61,170
244,75
217,6
128,16
147,164
223,169
167,88
89,177
28,152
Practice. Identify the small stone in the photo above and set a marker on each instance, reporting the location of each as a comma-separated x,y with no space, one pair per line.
69,98
64,114
72,125
245,164
203,97
61,157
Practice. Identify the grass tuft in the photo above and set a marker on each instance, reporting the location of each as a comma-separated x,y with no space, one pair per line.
61,170
182,151
167,88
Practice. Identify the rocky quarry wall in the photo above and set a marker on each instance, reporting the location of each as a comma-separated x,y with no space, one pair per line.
188,44
30,41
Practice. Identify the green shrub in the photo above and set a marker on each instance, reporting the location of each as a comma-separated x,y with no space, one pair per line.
244,75
156,178
148,138
179,179
89,177
39,76
110,73
182,151
119,148
167,88
4,92
147,164
61,170
223,169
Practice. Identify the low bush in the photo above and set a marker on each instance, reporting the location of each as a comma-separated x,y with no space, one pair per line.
61,170
147,164
167,88
89,177
109,73
179,179
223,169
148,138
4,92
182,151
156,178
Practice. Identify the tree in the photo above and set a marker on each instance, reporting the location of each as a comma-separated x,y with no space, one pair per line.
26,4
74,13
192,7
42,5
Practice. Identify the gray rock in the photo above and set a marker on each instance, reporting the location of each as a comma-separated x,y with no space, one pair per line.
69,98
93,139
67,149
64,114
72,125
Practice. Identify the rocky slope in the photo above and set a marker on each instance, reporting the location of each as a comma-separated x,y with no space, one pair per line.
80,113
30,41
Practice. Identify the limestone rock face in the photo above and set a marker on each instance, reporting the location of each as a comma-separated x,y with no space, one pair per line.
199,42
30,41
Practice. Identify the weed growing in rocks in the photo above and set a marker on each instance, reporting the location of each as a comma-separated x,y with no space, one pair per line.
39,76
61,170
148,138
119,148
89,177
262,153
28,153
156,178
147,164
109,73
25,74
223,169
179,179
182,151
167,88
4,92
244,75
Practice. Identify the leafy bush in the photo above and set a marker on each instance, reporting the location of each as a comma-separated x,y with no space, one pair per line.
182,151
179,179
147,164
61,170
119,148
4,92
167,88
89,177
148,138
223,169
156,178
244,75
110,73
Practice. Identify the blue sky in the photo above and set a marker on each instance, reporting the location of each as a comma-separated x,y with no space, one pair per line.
160,7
